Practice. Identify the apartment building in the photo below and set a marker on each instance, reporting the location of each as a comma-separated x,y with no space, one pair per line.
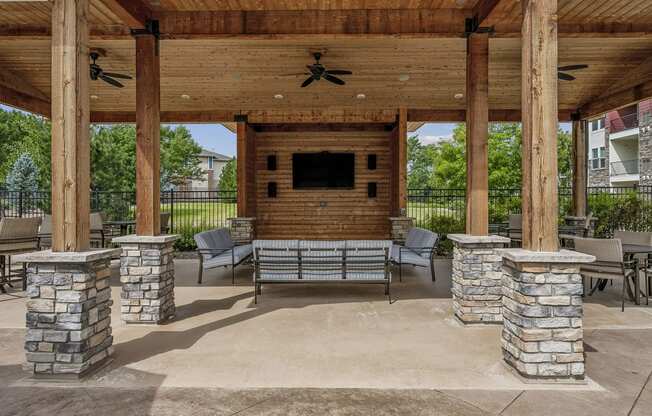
620,147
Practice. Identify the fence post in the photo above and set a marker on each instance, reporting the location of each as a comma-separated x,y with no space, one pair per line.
20,204
171,211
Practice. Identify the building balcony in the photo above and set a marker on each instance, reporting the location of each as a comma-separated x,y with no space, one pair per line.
624,127
624,171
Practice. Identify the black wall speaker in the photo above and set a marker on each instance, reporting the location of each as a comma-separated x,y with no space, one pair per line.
271,189
371,162
271,162
372,189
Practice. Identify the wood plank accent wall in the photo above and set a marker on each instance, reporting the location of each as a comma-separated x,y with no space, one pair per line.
70,127
323,214
246,148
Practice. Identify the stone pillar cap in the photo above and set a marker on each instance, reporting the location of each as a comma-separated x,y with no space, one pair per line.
146,239
478,239
519,255
48,256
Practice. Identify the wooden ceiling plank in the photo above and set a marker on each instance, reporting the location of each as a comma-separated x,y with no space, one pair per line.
483,10
635,77
134,13
12,80
25,102
617,100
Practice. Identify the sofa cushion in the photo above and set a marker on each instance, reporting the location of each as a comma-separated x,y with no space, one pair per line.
408,256
240,253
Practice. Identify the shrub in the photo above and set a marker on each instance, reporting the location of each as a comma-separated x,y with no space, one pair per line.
443,225
620,212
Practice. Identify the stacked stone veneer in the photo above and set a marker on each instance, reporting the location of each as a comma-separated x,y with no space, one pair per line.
645,142
68,312
147,277
399,228
242,230
477,278
542,308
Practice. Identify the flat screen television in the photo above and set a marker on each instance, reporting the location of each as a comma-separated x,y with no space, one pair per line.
323,170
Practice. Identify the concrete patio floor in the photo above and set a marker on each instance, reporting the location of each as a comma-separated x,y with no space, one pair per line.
329,350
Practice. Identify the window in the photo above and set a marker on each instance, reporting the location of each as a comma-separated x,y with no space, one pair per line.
210,162
598,158
597,124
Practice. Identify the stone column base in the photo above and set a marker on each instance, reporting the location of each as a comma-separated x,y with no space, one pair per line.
68,312
147,276
400,227
242,230
477,278
542,309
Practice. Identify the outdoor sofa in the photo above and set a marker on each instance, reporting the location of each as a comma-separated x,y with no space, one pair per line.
216,248
419,250
301,261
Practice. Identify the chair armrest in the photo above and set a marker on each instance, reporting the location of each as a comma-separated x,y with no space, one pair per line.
217,250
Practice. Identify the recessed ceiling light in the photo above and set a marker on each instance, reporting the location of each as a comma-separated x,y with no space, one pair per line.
360,96
185,96
94,97
278,96
459,96
404,77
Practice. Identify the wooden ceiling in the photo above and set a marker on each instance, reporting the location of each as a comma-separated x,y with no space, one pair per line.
231,67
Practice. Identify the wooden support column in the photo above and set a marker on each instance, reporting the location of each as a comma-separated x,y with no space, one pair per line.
246,169
579,168
402,158
477,132
148,136
540,124
70,127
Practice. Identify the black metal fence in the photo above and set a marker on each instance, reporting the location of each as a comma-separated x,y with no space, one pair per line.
190,211
194,211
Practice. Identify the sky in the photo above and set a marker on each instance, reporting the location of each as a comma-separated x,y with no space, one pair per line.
217,138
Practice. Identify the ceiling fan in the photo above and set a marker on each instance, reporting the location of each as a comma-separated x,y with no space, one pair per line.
568,77
317,71
98,73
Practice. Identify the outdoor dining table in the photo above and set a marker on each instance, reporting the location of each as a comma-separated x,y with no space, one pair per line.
629,251
123,224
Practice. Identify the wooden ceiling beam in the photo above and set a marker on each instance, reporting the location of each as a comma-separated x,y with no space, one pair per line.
298,117
134,13
18,92
445,22
483,10
617,100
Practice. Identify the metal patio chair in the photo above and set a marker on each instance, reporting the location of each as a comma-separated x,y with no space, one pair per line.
419,250
17,235
609,263
216,248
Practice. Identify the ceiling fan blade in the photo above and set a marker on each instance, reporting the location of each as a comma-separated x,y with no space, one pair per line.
307,82
111,81
565,77
572,67
339,72
114,75
334,80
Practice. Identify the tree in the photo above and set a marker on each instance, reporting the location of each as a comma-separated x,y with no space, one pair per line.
113,158
23,176
22,133
179,157
419,163
229,176
448,158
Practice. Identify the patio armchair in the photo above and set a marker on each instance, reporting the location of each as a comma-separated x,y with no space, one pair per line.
17,235
98,232
216,248
418,250
609,264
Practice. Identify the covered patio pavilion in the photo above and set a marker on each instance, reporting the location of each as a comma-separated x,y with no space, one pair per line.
471,60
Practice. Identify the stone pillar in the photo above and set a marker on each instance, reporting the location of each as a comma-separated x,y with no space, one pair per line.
243,230
477,278
542,309
68,312
400,226
147,276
